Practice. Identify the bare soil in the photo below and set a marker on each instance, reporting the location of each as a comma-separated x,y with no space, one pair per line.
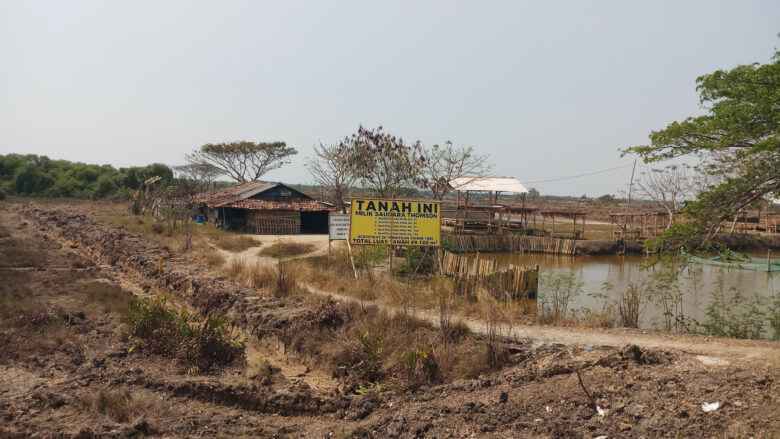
68,367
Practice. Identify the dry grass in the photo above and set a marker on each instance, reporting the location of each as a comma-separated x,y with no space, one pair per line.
110,298
235,268
373,349
285,249
234,243
278,280
120,405
203,254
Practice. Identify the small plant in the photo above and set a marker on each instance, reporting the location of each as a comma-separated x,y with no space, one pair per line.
773,315
603,318
419,366
562,288
373,355
664,287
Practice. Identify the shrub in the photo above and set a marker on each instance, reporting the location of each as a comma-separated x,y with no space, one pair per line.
373,348
419,366
562,289
165,331
733,315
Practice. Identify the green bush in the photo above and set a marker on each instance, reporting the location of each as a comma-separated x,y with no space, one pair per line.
40,176
163,330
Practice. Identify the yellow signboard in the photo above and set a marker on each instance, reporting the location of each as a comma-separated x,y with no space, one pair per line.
395,222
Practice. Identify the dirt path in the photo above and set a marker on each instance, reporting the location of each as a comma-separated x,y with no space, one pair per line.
731,350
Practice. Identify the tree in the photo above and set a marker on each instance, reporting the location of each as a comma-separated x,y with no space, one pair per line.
332,170
608,199
198,176
667,188
447,162
736,141
242,161
385,163
533,194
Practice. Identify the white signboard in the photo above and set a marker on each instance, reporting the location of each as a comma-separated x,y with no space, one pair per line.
338,227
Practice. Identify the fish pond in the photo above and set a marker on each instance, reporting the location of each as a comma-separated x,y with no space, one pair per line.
687,297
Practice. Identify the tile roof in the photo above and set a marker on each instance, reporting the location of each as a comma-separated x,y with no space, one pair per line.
302,205
239,197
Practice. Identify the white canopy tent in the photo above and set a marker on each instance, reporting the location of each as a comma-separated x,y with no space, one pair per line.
493,186
487,184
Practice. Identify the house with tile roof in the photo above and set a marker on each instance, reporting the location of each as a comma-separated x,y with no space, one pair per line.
266,208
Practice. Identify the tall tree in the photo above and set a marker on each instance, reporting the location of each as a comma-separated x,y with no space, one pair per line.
242,161
443,163
383,162
736,141
332,170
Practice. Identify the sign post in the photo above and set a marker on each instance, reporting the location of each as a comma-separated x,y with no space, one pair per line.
405,223
338,230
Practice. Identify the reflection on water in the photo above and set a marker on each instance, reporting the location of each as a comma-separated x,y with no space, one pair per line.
696,282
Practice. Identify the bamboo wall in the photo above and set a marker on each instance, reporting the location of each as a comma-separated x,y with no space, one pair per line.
511,243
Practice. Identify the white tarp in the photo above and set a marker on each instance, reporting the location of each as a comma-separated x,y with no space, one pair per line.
488,184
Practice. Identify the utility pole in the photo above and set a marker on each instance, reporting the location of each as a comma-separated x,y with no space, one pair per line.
625,219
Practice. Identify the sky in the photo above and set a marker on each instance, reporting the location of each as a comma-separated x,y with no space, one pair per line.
547,89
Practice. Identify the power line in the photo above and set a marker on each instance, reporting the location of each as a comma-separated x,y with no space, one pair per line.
580,175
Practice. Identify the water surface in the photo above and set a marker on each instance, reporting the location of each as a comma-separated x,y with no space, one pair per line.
697,283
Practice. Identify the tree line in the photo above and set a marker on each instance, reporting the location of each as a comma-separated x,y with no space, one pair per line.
40,176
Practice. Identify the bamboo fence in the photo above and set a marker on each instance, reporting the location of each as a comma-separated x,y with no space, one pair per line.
511,243
514,283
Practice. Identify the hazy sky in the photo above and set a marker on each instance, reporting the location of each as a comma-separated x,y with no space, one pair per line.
548,89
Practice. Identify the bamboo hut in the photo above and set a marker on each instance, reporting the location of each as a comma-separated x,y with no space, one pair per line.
494,217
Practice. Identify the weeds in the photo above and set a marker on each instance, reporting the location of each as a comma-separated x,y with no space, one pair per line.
162,330
121,405
236,267
373,355
563,290
733,315
773,313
